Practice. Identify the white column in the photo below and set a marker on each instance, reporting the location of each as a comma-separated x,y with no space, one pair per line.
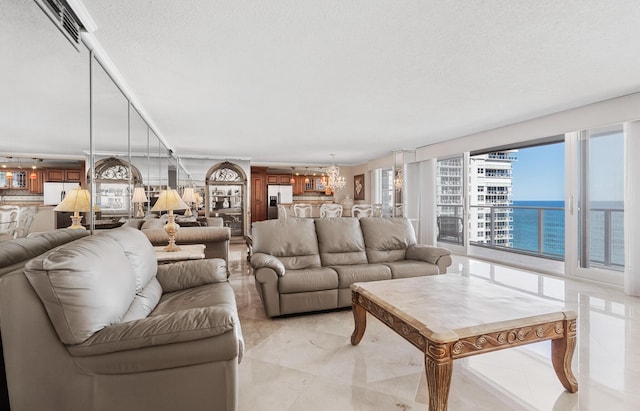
427,202
632,208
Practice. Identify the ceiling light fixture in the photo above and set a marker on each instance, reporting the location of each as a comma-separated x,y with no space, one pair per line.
336,181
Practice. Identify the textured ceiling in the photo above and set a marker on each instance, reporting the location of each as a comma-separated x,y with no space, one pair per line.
291,81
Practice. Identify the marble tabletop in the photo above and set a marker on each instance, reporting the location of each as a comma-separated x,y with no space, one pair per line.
448,307
186,252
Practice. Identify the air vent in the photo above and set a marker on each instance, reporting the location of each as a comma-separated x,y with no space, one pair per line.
64,18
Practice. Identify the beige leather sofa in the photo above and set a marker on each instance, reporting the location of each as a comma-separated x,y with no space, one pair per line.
305,264
214,236
97,324
14,254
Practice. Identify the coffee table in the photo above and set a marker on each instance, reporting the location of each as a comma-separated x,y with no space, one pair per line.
186,252
449,316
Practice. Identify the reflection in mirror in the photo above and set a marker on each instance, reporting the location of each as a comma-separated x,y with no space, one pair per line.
112,188
139,159
157,179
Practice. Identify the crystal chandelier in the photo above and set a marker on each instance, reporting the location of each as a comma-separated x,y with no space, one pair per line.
335,180
399,180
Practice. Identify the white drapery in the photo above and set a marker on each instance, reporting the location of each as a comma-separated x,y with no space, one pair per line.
632,208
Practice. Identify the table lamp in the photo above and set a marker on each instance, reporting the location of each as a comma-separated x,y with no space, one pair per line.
188,197
139,196
77,200
197,199
170,200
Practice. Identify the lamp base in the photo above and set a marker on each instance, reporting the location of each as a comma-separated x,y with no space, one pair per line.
139,211
75,220
171,227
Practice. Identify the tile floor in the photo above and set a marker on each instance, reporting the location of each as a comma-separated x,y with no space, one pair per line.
306,362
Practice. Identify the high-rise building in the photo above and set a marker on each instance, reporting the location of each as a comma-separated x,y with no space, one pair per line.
490,186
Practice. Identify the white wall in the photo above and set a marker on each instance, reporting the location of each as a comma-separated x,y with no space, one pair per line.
607,112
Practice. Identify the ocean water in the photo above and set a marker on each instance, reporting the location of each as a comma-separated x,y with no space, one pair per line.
526,223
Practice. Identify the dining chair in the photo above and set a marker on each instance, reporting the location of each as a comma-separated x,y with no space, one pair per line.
26,217
330,210
9,215
362,210
283,211
302,210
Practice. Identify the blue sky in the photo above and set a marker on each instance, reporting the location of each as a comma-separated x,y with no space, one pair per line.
539,172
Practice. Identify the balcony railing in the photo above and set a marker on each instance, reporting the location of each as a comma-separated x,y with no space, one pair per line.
539,231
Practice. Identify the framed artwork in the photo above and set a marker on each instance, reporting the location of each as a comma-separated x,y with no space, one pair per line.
358,187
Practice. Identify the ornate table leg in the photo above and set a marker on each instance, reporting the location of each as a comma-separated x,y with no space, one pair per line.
562,353
360,319
439,366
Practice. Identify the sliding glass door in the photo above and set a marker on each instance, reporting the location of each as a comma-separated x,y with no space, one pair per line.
595,190
451,202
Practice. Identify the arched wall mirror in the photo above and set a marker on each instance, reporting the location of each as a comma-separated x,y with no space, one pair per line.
226,196
113,179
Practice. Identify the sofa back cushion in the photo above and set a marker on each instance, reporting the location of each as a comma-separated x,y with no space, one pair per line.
387,239
16,253
85,286
139,251
340,241
292,240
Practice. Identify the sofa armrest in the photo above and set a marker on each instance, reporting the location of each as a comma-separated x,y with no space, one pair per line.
434,255
189,235
192,273
261,260
179,326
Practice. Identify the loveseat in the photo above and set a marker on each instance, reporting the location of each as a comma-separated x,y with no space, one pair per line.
97,324
212,234
306,264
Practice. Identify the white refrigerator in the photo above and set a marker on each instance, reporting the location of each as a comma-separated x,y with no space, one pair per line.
277,195
54,192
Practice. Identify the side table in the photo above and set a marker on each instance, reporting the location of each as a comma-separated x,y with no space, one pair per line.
187,252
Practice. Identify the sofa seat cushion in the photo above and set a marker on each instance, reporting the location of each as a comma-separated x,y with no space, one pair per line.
219,295
387,239
208,295
411,268
308,279
340,241
349,274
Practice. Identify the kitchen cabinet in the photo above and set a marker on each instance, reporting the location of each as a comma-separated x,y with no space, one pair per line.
74,175
298,186
36,185
279,179
13,179
258,197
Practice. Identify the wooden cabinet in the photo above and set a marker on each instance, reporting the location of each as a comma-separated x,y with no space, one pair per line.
298,186
55,175
74,175
284,179
36,185
258,198
281,179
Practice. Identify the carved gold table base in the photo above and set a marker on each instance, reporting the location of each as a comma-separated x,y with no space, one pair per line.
439,355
